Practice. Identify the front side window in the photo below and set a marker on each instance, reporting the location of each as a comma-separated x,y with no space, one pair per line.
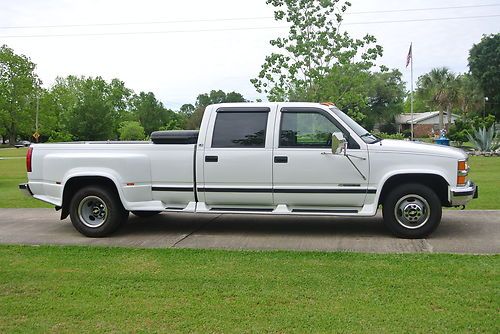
366,136
306,129
240,129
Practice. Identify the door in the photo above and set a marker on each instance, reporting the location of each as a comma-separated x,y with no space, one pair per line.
238,159
306,175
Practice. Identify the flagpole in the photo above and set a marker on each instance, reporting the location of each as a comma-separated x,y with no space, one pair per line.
411,93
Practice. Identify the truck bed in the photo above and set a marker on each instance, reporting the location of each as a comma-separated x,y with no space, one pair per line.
136,168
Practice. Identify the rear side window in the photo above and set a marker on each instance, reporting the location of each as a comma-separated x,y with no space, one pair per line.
240,129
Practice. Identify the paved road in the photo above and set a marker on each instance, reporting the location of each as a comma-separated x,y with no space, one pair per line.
459,232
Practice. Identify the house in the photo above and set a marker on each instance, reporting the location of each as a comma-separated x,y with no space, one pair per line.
424,124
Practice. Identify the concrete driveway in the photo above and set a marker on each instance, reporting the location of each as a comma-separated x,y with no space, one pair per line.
459,232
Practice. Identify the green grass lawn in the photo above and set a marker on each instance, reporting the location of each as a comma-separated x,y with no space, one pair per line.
13,172
485,172
84,289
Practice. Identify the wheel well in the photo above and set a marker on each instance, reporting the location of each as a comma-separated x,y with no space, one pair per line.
76,183
435,182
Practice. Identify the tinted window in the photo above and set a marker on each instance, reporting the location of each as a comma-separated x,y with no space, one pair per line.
306,130
240,129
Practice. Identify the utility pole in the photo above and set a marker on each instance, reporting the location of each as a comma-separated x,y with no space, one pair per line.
409,61
411,101
36,118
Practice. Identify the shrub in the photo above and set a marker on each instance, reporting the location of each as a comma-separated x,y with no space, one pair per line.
406,133
459,131
131,130
384,135
480,122
60,136
389,128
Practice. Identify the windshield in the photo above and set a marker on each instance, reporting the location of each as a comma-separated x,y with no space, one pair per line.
365,135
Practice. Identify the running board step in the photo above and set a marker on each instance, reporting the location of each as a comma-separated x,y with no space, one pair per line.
324,211
242,209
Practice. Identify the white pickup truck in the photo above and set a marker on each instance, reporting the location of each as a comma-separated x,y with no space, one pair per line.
253,158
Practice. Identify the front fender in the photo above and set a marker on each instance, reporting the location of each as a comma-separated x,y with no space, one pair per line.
408,172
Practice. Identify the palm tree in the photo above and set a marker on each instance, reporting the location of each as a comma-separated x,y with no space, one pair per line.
440,89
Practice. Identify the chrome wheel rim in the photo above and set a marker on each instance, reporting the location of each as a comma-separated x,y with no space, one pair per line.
412,211
92,211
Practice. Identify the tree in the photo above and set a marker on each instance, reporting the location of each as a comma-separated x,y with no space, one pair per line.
118,96
48,120
92,116
78,104
314,53
57,106
386,96
203,100
177,121
187,109
484,65
470,97
19,86
131,130
58,110
440,89
149,111
420,103
346,86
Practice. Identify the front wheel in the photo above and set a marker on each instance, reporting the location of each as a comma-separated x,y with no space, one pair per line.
96,211
412,211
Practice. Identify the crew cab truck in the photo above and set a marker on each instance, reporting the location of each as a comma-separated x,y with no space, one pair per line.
253,158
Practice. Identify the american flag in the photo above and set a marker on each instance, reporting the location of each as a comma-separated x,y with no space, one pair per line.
408,58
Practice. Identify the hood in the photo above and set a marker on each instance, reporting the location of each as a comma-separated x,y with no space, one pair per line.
409,147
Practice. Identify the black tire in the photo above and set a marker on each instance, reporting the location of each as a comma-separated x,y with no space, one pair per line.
97,211
145,214
412,211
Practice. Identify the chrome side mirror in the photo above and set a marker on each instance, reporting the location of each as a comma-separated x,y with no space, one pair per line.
339,143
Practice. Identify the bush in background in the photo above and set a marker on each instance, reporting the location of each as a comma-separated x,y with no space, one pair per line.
459,131
60,137
131,130
384,135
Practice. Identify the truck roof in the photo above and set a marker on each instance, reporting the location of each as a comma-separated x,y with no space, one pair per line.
268,104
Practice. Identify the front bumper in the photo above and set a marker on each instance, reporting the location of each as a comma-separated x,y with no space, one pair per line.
25,188
463,195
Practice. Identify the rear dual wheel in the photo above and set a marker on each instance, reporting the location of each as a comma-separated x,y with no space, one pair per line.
96,211
412,211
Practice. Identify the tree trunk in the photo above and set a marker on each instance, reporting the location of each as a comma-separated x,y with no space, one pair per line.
441,121
12,134
448,113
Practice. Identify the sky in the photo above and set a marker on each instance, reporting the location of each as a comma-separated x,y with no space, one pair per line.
179,49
